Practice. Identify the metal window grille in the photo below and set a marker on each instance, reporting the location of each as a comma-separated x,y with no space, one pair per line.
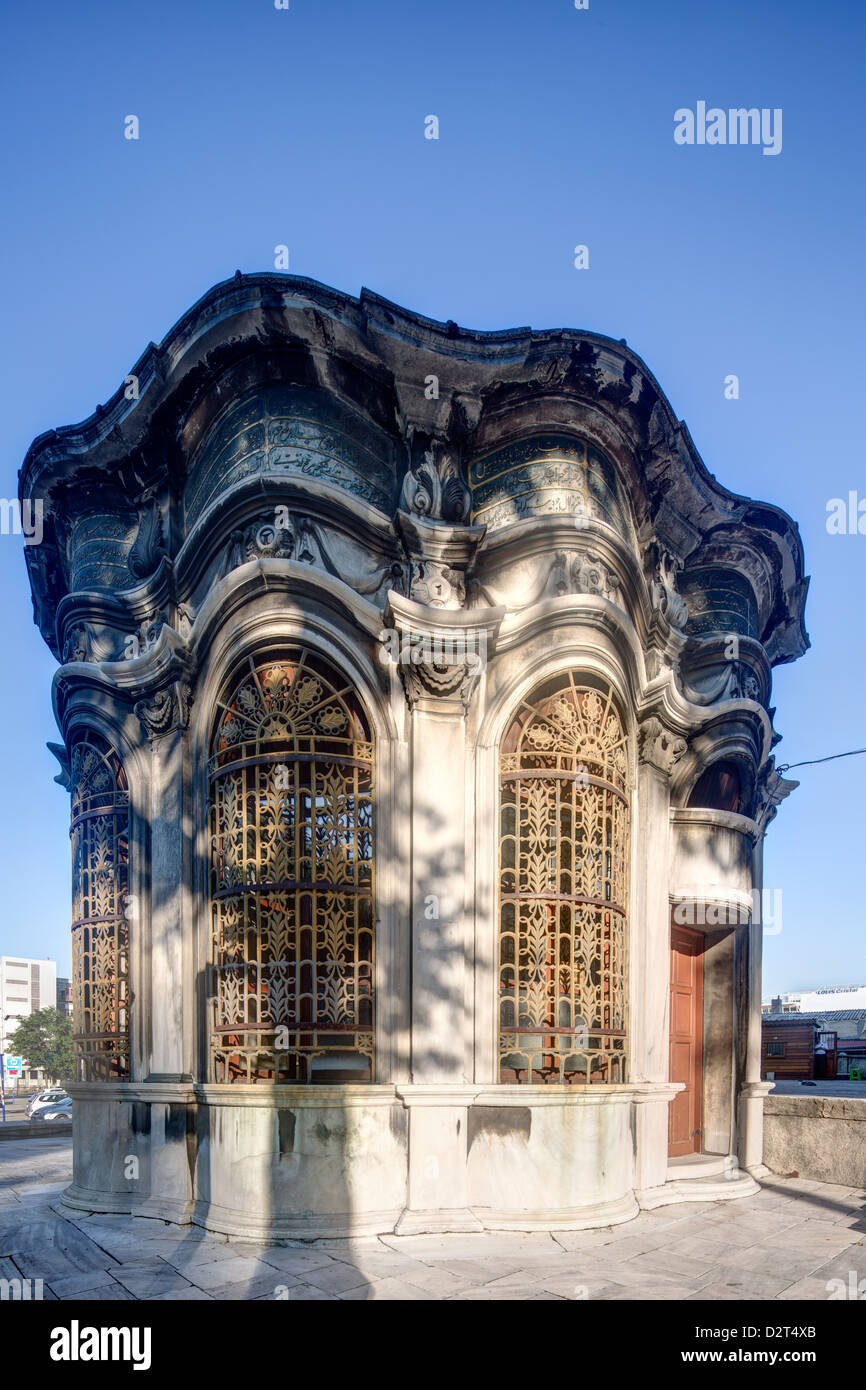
291,855
100,932
563,888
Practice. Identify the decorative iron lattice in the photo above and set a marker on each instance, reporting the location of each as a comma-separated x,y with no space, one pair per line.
291,852
563,889
100,931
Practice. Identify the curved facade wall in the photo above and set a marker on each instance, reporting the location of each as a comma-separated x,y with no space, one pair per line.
719,600
291,432
545,475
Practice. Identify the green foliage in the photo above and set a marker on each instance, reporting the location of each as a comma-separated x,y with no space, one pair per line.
44,1039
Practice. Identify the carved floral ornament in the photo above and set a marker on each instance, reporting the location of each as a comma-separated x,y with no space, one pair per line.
283,536
166,711
433,487
77,645
772,789
659,745
444,679
148,547
436,584
664,592
445,663
436,659
586,573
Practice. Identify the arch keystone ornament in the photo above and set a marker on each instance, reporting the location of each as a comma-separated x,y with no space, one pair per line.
396,721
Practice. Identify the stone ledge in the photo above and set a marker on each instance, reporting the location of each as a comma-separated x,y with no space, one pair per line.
712,1189
817,1107
25,1129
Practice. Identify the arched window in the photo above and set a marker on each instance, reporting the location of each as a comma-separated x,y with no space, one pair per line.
563,888
100,931
718,788
291,854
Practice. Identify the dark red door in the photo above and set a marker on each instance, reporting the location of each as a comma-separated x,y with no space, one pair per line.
687,1027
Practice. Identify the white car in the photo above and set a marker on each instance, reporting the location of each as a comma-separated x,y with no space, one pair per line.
59,1112
45,1098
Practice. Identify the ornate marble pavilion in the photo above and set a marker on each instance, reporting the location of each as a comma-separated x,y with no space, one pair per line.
414,691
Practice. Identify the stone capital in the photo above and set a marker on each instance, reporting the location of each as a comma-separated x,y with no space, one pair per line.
434,485
165,711
440,653
439,556
659,745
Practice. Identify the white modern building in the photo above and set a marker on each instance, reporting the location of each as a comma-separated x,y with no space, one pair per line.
821,1001
25,986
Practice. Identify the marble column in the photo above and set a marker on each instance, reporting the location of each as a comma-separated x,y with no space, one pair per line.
164,719
649,969
750,1109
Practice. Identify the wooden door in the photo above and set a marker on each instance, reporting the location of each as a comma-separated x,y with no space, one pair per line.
687,1028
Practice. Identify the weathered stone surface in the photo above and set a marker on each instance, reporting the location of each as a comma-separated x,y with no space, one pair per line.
819,1137
288,495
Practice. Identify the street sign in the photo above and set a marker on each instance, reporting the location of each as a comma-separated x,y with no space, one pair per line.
13,1066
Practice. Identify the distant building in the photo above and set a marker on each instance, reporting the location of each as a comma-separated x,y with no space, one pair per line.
788,1047
809,1001
851,1059
64,996
848,1026
837,1038
846,1023
25,986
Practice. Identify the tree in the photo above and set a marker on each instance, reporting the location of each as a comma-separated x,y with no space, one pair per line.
44,1039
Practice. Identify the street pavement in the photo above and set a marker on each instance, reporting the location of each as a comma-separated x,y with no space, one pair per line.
795,1240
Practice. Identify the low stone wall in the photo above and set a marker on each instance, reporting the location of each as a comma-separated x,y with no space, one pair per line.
818,1137
25,1129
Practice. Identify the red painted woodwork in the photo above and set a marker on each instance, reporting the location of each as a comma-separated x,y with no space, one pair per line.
687,1029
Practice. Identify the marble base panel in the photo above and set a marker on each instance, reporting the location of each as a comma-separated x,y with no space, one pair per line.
289,1163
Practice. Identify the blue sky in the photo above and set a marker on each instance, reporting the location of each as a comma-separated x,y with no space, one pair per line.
305,127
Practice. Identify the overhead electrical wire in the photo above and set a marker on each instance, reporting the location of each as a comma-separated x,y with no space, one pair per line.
810,762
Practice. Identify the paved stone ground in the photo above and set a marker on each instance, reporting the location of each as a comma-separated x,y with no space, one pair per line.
787,1242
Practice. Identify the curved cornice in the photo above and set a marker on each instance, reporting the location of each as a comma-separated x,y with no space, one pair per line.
373,356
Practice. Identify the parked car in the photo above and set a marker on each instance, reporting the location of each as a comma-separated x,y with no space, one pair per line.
60,1111
43,1098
